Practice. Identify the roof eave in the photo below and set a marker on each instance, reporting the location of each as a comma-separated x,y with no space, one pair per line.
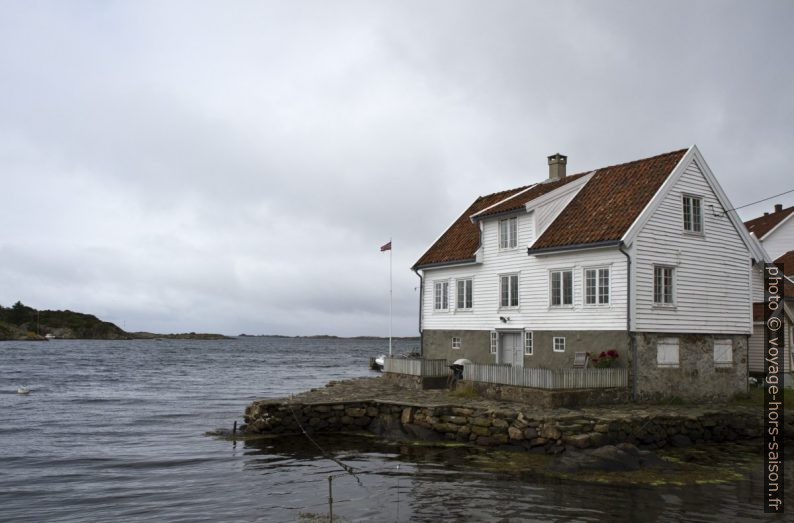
434,265
573,247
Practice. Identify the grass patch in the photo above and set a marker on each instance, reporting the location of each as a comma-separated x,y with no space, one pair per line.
466,391
755,397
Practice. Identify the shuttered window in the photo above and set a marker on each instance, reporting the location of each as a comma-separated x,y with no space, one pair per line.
561,288
723,353
667,352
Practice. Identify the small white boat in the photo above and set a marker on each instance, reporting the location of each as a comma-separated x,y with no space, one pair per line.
50,336
23,390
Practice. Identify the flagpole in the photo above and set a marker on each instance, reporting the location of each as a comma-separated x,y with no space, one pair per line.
391,248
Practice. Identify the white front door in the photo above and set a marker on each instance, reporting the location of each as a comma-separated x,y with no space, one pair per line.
510,349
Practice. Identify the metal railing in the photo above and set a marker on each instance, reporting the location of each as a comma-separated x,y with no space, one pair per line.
416,367
554,379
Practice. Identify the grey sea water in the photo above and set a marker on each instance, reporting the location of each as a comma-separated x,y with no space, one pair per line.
114,431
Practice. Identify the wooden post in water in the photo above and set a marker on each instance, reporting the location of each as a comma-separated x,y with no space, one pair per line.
330,500
234,428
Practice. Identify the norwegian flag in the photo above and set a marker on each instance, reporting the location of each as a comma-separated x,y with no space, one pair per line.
386,247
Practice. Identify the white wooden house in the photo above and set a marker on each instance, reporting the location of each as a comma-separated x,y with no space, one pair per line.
775,231
641,258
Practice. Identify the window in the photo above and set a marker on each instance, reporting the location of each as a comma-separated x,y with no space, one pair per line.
528,343
441,296
663,285
464,294
596,286
494,341
559,344
561,288
693,214
723,353
667,352
508,290
508,233
455,343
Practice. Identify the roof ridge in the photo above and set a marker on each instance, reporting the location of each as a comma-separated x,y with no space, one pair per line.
678,151
521,188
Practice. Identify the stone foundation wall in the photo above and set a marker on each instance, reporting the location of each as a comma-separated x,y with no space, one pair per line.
550,399
696,377
476,346
509,427
410,382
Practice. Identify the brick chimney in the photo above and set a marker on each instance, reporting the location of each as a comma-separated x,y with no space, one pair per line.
778,207
557,164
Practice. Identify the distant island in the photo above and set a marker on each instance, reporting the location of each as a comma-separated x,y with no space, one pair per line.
330,337
20,322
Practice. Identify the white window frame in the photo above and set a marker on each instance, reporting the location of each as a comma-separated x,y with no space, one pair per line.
554,343
664,303
668,353
601,299
695,225
464,281
456,343
441,297
528,343
508,233
562,272
510,296
494,342
723,352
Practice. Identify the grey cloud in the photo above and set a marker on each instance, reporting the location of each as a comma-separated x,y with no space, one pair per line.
189,166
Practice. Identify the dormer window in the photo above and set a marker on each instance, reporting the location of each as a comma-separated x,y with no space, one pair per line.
693,214
508,233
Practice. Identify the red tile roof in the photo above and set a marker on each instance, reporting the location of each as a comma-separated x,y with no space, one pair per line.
788,263
603,209
608,204
537,190
763,224
462,239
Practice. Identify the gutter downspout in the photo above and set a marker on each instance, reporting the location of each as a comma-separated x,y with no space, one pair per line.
631,334
421,299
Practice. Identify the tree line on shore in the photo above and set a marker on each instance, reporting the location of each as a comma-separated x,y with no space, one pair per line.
20,322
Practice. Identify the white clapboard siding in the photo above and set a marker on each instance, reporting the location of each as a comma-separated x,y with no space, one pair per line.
416,367
757,350
780,240
758,283
712,280
555,379
533,312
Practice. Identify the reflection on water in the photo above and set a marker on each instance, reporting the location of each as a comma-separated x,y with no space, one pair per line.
114,431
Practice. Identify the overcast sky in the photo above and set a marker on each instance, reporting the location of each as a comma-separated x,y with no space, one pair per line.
234,167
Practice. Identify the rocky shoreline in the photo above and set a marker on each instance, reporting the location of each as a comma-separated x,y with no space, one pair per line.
383,408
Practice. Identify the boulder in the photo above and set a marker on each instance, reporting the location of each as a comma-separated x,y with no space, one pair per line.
621,457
